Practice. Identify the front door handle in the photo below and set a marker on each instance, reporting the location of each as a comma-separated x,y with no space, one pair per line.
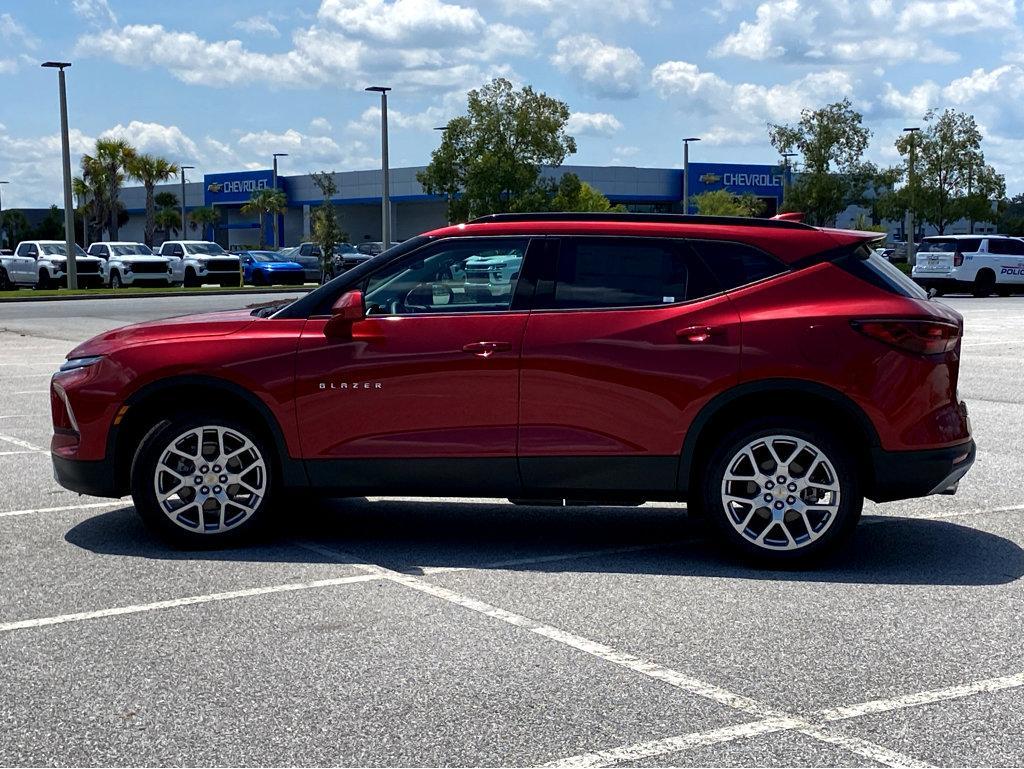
696,334
487,349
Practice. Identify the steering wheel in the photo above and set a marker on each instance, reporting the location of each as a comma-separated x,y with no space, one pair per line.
421,297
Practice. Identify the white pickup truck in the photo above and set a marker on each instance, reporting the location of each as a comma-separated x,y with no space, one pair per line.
43,264
203,262
134,264
976,264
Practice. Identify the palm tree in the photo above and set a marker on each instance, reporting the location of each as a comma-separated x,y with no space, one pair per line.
112,155
91,189
168,220
263,202
205,217
150,170
14,222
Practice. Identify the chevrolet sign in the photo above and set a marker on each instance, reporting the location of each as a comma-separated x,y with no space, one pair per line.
710,179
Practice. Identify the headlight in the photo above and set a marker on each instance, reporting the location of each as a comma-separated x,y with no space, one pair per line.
75,363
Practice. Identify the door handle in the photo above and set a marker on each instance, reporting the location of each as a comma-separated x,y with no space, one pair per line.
486,349
696,334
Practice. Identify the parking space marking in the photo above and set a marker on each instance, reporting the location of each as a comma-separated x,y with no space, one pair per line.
23,451
30,392
553,558
230,595
626,660
20,416
64,508
23,444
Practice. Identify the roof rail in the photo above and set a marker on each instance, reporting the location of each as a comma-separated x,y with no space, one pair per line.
614,216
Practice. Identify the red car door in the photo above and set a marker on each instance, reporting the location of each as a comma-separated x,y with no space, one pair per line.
629,338
425,393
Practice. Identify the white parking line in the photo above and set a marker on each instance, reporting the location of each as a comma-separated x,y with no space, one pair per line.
190,601
24,451
21,416
64,508
23,444
553,558
623,659
30,392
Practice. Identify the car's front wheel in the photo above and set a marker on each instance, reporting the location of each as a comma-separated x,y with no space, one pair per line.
203,481
781,491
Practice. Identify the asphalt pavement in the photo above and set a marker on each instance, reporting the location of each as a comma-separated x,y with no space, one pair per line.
466,632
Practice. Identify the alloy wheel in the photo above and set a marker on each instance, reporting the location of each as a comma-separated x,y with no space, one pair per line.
210,479
781,492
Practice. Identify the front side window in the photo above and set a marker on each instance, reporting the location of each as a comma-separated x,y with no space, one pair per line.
453,276
627,272
737,264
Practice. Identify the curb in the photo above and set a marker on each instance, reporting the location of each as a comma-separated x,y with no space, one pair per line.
128,295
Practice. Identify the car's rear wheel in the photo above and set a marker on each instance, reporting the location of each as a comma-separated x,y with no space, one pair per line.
984,283
6,284
203,481
781,491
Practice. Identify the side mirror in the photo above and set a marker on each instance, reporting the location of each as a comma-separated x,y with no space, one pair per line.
348,309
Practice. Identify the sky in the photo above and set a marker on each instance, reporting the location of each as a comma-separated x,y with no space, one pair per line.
222,84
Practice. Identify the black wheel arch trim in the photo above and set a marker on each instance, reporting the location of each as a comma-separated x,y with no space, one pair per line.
293,471
780,386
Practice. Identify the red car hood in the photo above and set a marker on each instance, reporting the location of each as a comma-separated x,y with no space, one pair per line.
185,327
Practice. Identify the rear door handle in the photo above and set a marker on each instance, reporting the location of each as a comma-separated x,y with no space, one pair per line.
696,334
487,349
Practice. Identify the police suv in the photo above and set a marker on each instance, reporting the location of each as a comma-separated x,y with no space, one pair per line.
134,264
980,265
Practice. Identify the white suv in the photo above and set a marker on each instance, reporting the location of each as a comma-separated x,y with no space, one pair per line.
203,262
970,263
43,264
134,264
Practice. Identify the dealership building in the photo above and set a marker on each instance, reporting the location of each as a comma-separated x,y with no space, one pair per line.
358,199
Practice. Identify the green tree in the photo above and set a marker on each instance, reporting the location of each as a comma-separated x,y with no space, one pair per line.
168,220
951,179
150,170
831,140
14,223
492,156
110,158
1011,215
725,203
569,193
324,227
206,218
266,202
166,200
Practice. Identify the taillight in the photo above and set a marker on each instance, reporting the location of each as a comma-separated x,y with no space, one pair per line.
925,337
958,259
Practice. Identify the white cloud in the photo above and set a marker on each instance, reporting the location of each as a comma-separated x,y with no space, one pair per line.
419,21
94,11
601,68
320,125
257,25
956,16
8,66
565,12
155,138
593,124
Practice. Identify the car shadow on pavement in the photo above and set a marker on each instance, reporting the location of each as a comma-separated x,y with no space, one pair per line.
417,536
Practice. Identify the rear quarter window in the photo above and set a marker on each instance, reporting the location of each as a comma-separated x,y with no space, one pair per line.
865,264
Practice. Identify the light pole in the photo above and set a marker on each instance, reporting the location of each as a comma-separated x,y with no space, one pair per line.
911,244
183,169
276,156
3,230
447,193
788,171
385,200
686,172
65,143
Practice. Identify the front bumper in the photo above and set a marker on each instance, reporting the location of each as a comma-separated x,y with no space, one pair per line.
909,474
95,478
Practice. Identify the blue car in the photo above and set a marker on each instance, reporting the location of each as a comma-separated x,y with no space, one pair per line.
266,268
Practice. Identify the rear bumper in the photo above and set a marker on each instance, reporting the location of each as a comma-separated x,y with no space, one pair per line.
909,474
95,478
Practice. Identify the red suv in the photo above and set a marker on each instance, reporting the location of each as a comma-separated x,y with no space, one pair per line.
769,373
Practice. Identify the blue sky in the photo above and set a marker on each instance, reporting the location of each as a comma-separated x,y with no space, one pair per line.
221,84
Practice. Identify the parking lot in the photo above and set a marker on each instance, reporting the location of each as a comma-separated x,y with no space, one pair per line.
471,632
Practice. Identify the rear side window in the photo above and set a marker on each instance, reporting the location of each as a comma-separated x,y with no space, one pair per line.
881,273
737,264
1008,246
950,245
626,272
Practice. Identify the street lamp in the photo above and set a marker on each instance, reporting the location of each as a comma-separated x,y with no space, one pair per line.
686,172
385,200
447,193
911,244
183,169
2,229
276,156
65,143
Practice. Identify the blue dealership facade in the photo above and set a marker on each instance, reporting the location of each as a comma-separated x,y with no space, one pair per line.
358,198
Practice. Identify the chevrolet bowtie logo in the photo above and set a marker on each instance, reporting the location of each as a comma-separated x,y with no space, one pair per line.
215,187
710,179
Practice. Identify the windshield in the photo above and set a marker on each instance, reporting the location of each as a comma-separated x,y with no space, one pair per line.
949,245
135,249
345,248
60,249
265,256
204,248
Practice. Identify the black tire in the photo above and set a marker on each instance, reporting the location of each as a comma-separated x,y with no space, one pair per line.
154,447
984,283
840,524
191,279
6,284
258,278
45,282
115,280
